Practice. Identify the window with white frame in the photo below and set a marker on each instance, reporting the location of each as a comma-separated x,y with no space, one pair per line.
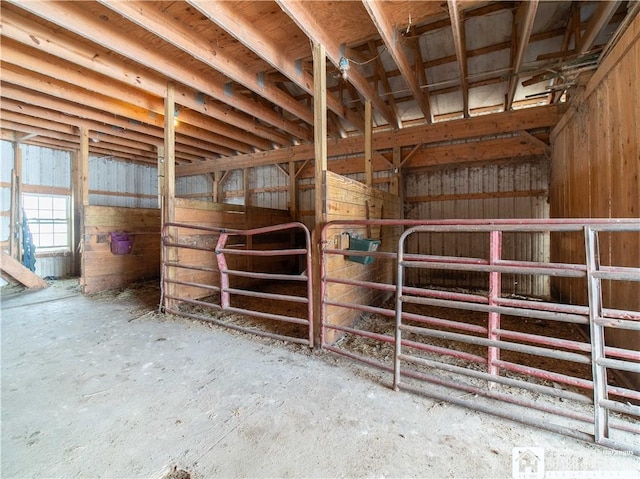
49,220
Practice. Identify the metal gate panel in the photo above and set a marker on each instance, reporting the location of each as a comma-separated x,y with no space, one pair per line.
485,358
222,249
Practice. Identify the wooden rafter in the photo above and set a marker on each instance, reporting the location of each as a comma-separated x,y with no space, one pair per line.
523,27
77,78
46,40
71,18
181,37
302,15
457,26
382,75
222,14
52,88
390,37
599,20
62,111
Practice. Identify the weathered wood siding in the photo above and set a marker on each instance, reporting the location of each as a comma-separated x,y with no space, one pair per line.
596,174
103,270
202,213
347,199
508,190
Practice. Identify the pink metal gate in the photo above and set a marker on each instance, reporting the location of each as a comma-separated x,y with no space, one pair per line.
485,343
216,278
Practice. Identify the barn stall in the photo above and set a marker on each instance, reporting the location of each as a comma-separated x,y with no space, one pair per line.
439,236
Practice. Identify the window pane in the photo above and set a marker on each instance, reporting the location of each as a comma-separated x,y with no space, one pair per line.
30,202
45,203
45,240
48,218
60,239
60,204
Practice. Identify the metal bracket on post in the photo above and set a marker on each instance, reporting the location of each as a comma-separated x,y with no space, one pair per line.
594,287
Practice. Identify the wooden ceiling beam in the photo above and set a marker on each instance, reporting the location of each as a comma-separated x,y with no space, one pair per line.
20,100
106,104
491,124
53,133
42,39
73,18
598,22
50,135
223,15
382,75
180,36
99,128
457,26
79,78
523,27
301,13
389,35
97,136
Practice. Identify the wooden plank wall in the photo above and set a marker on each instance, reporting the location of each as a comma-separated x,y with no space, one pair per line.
510,189
347,199
202,213
102,270
596,174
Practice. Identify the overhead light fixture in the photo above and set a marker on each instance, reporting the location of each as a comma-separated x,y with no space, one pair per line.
344,66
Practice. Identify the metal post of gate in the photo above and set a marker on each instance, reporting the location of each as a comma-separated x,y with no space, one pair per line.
495,289
594,286
398,330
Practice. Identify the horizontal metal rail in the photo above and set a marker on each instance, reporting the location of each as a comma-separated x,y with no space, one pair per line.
521,348
269,276
276,297
526,313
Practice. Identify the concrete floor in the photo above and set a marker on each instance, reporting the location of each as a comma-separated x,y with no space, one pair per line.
103,387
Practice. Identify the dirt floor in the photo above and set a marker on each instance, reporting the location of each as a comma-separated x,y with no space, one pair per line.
105,386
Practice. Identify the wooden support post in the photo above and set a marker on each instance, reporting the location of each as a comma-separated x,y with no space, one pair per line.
293,191
368,144
396,180
13,215
217,186
245,187
80,198
169,188
320,149
15,226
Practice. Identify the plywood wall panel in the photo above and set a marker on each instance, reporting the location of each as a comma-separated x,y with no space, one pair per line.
346,200
101,269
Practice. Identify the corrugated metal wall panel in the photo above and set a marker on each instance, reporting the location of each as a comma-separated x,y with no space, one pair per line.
46,167
188,185
267,177
137,183
234,183
456,185
6,152
55,267
7,155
